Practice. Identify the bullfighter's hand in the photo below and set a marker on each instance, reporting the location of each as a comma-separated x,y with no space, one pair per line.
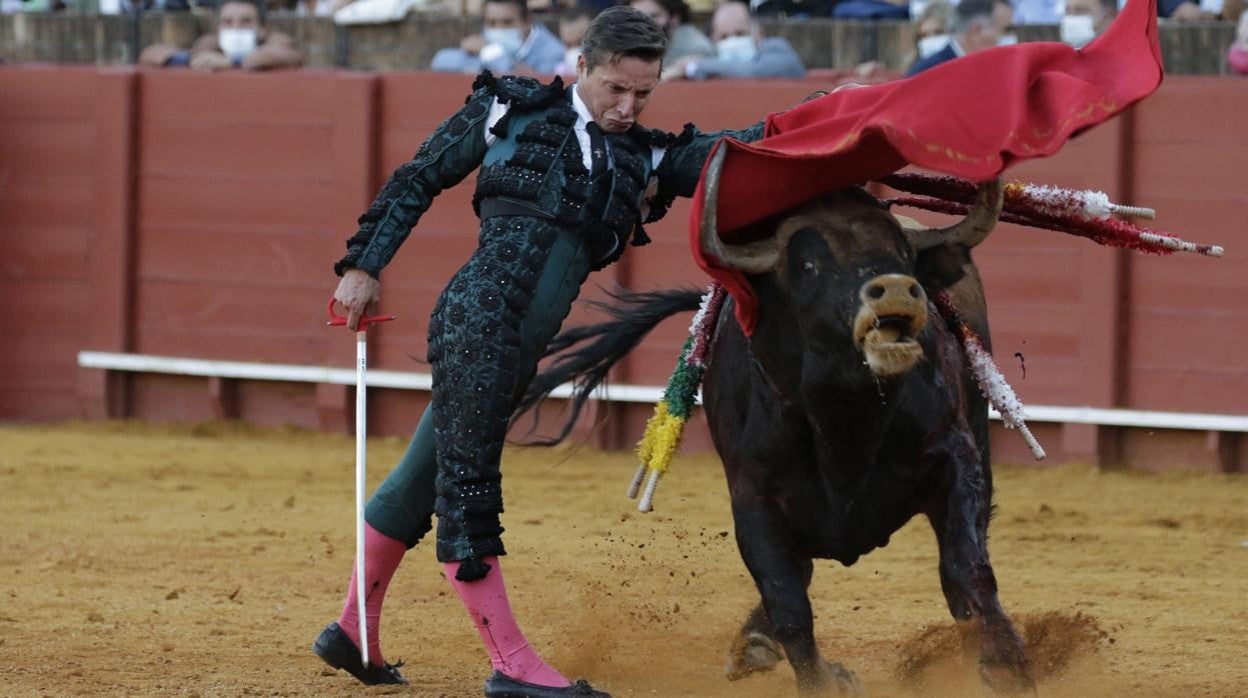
356,290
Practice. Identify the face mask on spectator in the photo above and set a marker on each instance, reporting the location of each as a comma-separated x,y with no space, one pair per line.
929,45
510,39
1237,58
1007,40
737,48
1078,30
237,43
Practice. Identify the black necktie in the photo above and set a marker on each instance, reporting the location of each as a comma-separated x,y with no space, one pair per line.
597,149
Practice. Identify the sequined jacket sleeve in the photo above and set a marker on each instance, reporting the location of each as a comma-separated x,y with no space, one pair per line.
681,167
446,157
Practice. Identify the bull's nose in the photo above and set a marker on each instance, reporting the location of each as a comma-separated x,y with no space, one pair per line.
888,323
890,288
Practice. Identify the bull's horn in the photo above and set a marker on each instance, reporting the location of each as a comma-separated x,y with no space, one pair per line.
752,257
969,231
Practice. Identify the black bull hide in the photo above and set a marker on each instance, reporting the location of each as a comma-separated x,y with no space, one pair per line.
849,411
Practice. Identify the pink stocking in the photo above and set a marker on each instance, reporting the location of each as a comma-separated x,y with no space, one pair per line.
382,555
510,653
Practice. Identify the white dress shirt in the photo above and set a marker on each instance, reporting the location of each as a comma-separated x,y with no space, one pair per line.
583,117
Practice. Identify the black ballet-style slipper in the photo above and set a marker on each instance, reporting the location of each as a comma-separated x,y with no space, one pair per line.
337,650
499,685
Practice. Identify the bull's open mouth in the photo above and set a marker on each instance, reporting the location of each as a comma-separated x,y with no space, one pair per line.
895,328
889,344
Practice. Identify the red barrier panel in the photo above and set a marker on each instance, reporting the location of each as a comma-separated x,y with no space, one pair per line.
174,213
62,162
1187,318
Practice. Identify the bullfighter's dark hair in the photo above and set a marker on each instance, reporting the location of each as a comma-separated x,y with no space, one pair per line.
619,32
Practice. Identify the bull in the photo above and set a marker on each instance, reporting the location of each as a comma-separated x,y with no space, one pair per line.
848,411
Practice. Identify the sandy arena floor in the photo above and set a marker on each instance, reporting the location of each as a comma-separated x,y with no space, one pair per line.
144,560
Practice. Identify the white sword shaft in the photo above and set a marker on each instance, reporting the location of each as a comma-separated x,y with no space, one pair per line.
361,470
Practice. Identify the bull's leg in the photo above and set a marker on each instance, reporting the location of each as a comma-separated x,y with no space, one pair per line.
754,649
960,519
782,573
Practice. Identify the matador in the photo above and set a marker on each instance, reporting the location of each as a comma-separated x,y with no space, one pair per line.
567,177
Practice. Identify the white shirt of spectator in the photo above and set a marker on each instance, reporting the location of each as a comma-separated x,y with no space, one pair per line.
583,117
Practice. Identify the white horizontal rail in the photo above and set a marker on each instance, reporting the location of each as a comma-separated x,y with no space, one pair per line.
411,380
404,380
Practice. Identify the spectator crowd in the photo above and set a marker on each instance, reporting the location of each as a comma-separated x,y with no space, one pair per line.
541,37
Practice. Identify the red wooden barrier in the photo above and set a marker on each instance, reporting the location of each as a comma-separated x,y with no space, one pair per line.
57,168
198,215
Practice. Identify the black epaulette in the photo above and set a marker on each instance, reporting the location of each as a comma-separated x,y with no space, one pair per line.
522,93
656,138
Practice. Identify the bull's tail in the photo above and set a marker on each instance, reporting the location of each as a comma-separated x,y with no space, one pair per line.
584,355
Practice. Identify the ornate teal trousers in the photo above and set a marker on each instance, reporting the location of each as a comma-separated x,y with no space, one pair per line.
488,331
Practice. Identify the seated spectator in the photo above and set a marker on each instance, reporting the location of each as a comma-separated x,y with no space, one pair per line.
241,41
1003,19
932,26
1237,54
741,50
573,24
1199,10
976,26
1084,20
508,42
683,39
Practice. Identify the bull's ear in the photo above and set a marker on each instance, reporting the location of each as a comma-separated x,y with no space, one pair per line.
942,266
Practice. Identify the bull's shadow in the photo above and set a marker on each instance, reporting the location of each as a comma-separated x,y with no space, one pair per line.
849,410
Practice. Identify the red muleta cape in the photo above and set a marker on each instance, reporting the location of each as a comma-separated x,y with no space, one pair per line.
971,117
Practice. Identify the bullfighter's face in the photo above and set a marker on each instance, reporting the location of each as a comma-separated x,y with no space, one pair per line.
617,91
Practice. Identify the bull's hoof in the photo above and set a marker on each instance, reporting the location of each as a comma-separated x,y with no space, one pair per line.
1007,679
751,654
834,679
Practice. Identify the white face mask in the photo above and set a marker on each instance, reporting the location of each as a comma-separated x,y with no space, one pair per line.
929,45
570,56
236,43
510,39
1007,40
1078,30
737,48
